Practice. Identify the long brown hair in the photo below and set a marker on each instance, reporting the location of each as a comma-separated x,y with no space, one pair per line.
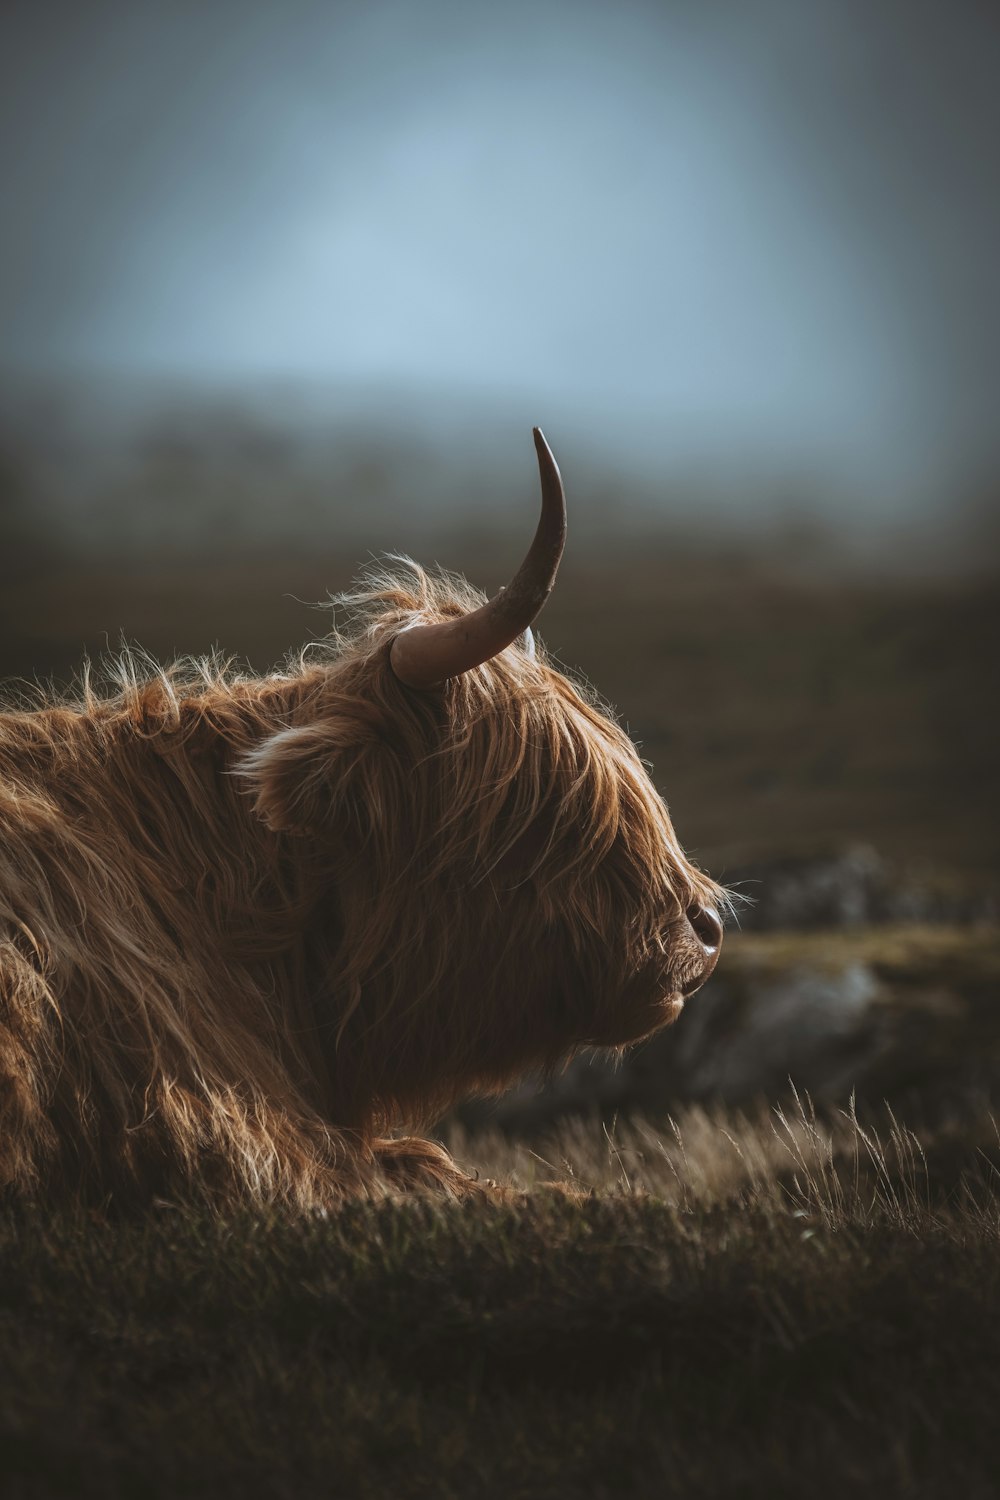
251,926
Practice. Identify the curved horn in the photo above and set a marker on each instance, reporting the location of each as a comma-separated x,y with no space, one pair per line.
425,655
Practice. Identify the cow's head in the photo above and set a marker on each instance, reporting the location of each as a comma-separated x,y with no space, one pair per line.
501,881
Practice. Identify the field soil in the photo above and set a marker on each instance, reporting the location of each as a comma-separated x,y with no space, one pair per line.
738,1307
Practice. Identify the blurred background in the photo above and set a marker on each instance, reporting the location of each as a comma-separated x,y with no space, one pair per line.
283,286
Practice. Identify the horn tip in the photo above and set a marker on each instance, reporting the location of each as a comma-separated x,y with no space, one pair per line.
542,448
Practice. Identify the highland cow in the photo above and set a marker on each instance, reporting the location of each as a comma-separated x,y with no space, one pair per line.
253,929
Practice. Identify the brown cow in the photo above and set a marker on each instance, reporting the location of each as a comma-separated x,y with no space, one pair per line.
251,928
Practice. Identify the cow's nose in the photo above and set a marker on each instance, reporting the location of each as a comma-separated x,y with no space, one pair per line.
707,925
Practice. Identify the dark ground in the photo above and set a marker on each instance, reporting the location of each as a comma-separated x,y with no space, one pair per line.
776,1341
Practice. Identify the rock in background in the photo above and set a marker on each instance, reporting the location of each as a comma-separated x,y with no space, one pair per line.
852,888
826,988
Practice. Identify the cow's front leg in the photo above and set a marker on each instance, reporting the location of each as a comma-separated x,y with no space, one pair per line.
412,1164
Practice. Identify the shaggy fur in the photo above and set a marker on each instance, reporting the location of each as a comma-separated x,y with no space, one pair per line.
251,928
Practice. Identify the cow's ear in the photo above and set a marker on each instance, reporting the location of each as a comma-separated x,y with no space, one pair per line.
290,775
312,779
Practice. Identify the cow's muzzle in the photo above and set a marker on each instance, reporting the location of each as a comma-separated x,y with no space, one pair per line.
706,925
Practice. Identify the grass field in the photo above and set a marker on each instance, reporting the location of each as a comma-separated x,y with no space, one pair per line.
741,1307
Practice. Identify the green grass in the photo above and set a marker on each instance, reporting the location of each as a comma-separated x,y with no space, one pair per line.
901,953
775,1307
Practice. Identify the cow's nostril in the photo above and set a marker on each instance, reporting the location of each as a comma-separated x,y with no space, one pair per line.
706,923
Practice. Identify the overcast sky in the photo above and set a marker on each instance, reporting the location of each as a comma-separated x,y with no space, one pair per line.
772,228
